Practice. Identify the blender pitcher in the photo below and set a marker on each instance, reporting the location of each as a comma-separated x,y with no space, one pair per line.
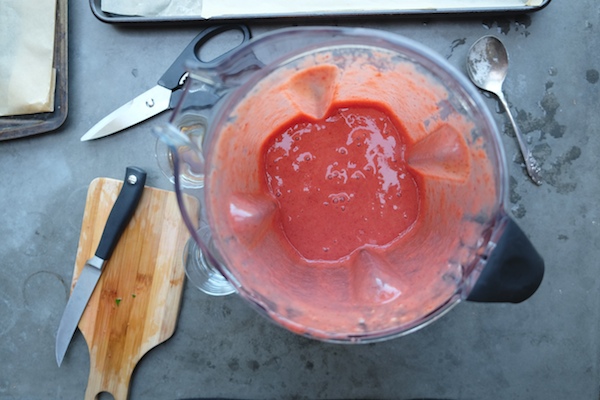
348,183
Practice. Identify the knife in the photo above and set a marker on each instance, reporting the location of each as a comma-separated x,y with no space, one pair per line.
119,217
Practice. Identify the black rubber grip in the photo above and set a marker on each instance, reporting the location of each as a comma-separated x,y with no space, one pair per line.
172,78
122,211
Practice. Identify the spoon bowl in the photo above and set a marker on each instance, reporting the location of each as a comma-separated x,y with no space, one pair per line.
487,66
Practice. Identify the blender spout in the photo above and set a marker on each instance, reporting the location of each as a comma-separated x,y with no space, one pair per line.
181,158
170,135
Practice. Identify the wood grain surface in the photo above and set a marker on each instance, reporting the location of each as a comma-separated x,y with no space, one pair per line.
136,302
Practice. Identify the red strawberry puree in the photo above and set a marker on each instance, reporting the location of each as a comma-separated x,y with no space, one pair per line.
344,200
341,183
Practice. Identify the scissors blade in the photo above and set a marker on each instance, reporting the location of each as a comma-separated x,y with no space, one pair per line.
144,106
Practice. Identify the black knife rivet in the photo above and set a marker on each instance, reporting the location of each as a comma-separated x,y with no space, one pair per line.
132,179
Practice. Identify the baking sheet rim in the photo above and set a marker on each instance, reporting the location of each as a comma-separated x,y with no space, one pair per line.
113,18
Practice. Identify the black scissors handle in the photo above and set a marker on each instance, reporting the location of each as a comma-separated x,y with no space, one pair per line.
173,77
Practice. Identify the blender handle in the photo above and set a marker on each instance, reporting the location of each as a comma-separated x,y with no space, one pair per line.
513,272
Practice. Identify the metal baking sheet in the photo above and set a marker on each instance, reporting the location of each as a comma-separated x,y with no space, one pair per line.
12,127
235,10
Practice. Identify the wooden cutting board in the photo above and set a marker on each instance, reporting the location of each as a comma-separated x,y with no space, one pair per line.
136,302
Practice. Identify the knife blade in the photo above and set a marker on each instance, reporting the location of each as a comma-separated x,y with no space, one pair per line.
119,217
146,105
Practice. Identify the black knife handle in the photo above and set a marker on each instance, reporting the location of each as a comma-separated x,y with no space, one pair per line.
122,211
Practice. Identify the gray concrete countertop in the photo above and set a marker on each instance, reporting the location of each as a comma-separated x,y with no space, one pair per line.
544,348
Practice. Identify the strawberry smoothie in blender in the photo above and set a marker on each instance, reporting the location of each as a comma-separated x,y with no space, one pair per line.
342,191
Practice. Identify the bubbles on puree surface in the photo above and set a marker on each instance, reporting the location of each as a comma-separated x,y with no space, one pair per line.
341,182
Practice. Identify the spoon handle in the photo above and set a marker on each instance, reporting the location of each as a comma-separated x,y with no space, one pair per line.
533,169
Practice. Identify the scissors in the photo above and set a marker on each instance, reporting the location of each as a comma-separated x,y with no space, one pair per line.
166,94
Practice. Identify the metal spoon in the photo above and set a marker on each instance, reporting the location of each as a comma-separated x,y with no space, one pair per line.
487,65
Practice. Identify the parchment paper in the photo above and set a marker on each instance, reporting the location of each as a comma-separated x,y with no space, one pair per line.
27,77
237,8
153,8
220,8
